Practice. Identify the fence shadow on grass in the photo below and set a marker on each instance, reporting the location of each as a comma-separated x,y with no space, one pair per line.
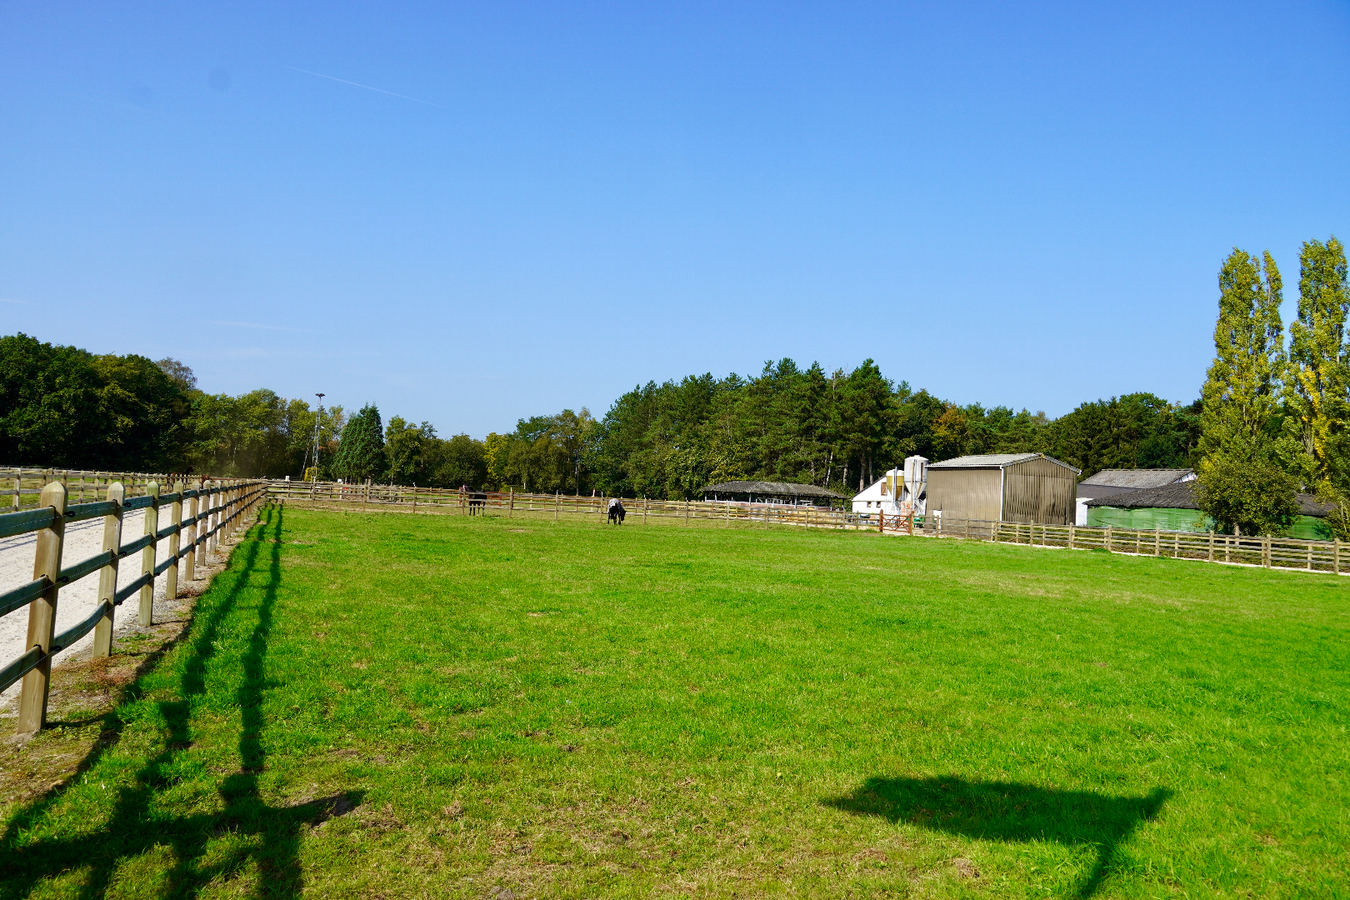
1008,811
134,827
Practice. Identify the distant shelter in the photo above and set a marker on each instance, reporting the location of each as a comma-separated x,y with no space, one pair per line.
772,492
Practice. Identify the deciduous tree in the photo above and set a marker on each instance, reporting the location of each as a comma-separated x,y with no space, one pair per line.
1241,481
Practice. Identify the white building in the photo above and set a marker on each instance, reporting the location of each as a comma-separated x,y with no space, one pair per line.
899,492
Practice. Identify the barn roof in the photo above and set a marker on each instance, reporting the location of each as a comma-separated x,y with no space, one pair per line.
771,489
994,461
1137,478
1182,496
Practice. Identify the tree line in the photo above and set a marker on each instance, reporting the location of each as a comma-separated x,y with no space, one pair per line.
1271,420
65,407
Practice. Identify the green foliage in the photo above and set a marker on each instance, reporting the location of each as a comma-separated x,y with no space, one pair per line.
360,453
460,461
1242,482
1318,386
61,406
1245,487
256,434
546,453
409,450
1135,431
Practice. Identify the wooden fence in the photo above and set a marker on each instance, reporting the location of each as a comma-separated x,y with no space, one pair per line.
24,486
441,501
215,508
1274,553
1268,552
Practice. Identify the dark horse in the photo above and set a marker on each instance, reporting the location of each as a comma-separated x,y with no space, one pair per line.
616,511
477,501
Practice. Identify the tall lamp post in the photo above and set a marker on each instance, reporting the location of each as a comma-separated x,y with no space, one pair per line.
318,418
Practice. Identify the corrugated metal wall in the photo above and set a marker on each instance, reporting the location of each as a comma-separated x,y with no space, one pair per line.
965,493
1039,491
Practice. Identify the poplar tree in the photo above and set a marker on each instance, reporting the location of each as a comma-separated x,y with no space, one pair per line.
1241,482
1318,383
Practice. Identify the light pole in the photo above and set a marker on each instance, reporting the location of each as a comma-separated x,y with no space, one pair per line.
317,419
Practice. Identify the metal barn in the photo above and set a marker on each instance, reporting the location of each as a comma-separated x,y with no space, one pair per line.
1004,487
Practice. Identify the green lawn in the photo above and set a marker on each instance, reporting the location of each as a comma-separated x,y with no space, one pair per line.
395,706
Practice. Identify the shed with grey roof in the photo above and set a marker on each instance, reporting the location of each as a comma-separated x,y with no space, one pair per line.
771,491
1004,487
1174,507
1110,482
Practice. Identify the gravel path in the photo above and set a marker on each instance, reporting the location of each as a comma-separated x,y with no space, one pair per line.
76,601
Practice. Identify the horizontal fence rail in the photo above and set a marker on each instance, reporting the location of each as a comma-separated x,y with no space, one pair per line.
1270,552
195,520
24,485
443,501
1207,546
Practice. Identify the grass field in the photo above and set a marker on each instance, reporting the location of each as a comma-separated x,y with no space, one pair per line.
390,706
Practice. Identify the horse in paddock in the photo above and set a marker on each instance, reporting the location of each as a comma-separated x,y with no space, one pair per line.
477,502
616,511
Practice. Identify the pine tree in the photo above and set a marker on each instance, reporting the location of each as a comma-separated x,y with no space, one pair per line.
1318,383
360,453
1242,484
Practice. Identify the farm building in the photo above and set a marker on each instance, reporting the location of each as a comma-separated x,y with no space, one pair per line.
899,492
1004,487
1119,481
771,492
1173,508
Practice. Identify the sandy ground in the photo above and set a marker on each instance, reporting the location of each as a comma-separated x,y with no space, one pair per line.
76,601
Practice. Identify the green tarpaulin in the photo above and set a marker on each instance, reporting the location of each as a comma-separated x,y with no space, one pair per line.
1305,528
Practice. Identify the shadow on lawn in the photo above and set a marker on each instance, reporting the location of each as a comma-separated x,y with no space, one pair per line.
135,826
1007,811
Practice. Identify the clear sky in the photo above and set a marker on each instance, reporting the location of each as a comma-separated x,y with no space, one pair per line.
471,213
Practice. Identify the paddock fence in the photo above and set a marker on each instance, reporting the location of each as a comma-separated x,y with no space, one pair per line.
197,519
1268,552
1207,546
24,485
556,506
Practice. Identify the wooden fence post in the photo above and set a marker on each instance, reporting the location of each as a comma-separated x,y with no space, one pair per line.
1108,539
511,509
204,537
1157,542
644,509
204,517
686,512
190,558
42,611
1071,528
18,488
176,520
1265,551
1336,557
148,555
107,576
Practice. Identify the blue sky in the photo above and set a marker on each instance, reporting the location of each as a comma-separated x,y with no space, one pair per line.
474,213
